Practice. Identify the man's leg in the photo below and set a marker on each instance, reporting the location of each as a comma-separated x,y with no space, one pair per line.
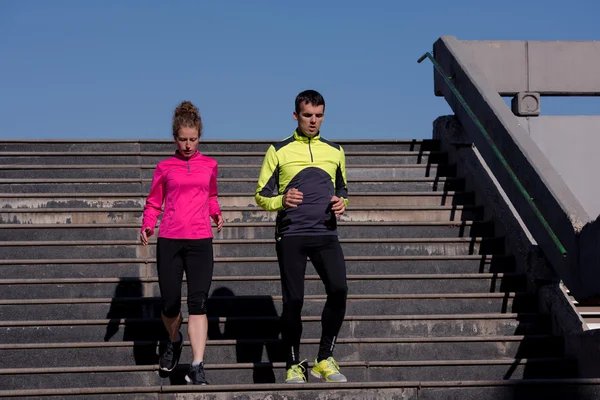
328,258
292,267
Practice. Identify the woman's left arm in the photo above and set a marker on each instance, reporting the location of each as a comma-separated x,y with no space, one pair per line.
213,202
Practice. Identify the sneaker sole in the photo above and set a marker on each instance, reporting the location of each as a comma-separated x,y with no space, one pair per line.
188,380
177,360
167,369
171,369
319,376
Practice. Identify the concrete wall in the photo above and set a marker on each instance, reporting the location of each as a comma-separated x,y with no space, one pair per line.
529,259
572,144
577,231
549,67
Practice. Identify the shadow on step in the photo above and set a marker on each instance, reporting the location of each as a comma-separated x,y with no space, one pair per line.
538,355
253,323
144,339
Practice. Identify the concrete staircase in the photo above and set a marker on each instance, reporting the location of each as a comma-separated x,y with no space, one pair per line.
435,309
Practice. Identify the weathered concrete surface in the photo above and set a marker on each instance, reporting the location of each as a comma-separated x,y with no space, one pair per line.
561,209
552,297
557,67
547,67
571,143
554,301
504,63
489,194
586,346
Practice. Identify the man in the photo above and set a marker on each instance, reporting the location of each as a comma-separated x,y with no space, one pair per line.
303,178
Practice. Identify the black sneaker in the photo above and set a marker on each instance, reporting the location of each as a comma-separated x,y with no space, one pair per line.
196,376
170,358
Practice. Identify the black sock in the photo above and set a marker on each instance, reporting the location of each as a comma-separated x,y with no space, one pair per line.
293,356
326,347
289,364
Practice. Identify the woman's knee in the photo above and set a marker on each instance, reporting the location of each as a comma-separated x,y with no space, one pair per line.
171,307
197,304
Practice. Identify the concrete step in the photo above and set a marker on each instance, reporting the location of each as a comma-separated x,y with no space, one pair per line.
226,351
248,230
238,214
223,158
146,267
205,145
562,388
103,171
588,310
250,285
253,373
228,324
416,304
46,249
137,306
228,185
120,200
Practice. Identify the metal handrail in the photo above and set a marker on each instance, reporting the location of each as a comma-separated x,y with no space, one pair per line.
471,114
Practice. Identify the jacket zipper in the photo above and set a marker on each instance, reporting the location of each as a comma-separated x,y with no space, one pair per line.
188,165
310,150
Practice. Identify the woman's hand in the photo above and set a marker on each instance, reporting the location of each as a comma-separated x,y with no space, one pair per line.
145,234
218,221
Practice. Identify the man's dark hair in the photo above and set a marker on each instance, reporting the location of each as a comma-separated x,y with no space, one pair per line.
309,97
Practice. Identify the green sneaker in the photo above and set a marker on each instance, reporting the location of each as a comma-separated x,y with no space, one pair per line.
296,373
328,370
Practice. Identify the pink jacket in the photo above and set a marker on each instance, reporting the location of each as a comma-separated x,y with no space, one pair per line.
189,191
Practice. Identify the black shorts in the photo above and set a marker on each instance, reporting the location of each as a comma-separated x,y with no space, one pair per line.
195,257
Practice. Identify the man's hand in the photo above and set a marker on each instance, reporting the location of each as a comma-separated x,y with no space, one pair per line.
292,198
145,234
338,206
218,221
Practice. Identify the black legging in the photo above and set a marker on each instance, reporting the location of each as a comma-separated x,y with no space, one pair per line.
195,256
327,257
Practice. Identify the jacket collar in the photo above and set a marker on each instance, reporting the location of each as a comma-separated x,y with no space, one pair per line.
180,156
301,137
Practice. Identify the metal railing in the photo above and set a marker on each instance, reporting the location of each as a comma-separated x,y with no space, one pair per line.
471,114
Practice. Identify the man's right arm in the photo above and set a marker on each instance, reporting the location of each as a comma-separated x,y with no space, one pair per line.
267,189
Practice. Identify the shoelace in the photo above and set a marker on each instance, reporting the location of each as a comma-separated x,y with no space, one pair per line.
298,369
170,351
198,370
332,364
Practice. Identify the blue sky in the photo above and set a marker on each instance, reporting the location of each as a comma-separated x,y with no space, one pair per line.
116,69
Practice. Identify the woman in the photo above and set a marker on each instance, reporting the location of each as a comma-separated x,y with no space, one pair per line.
187,184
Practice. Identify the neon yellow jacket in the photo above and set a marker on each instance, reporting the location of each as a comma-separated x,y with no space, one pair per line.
314,166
